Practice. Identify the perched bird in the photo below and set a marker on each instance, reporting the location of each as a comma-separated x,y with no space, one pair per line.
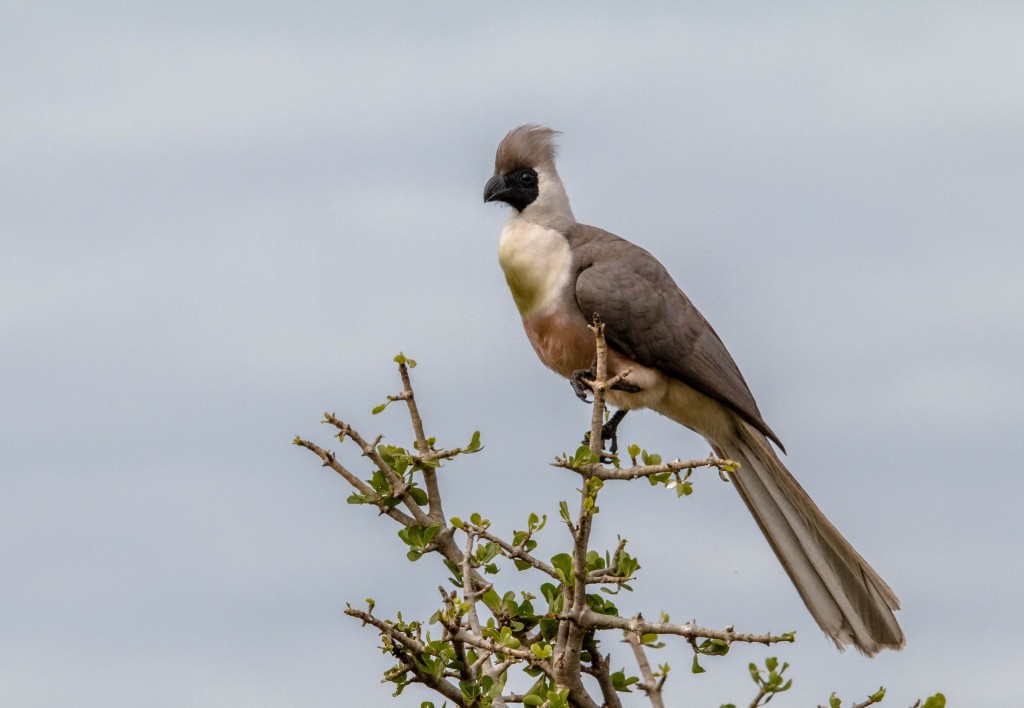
562,273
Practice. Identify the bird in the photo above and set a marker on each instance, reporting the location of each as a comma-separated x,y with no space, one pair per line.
562,274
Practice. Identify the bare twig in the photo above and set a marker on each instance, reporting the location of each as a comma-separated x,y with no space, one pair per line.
436,512
872,700
514,552
599,669
651,686
331,461
369,449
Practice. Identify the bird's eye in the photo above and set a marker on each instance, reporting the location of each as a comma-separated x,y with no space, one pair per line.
527,179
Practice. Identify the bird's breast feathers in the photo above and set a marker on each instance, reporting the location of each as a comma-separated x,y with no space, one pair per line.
538,264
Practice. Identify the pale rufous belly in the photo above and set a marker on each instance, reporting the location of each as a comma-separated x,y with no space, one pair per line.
563,342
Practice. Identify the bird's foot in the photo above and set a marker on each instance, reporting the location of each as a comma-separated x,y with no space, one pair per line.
582,381
609,432
627,387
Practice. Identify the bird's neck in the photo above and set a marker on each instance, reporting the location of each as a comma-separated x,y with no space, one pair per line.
537,261
551,207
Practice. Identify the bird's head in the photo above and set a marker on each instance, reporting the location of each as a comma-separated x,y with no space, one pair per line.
525,177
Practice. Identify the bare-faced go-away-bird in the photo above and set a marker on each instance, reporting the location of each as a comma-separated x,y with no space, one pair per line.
563,274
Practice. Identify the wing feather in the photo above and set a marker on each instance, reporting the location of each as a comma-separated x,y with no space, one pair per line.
648,318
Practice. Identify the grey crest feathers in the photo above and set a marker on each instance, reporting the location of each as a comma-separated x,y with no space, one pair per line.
528,145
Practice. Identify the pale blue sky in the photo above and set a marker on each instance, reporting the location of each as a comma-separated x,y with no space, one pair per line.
220,219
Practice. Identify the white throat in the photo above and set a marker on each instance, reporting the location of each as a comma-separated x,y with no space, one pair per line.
537,262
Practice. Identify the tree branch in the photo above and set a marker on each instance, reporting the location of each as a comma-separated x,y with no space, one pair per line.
429,475
640,626
514,552
603,473
414,646
651,686
330,460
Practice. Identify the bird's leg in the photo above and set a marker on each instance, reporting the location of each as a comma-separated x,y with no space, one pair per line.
610,430
582,381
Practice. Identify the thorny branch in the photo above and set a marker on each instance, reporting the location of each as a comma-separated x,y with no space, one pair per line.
469,665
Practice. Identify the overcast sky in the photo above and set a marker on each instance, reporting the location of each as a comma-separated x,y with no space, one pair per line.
219,220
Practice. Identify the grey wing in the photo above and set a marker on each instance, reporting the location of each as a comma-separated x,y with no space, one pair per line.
648,318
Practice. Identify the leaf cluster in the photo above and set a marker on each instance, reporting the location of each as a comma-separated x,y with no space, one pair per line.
550,629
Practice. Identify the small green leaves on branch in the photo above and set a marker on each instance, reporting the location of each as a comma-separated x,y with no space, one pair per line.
402,360
655,471
418,539
482,631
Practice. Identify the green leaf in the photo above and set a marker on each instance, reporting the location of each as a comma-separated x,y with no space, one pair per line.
651,458
696,668
936,701
474,443
713,647
562,564
418,495
430,532
583,456
400,358
542,650
492,600
380,408
506,639
621,682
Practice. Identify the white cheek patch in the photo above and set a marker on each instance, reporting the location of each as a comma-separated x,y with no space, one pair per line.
551,207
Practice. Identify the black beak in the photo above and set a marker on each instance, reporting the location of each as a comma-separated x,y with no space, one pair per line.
495,188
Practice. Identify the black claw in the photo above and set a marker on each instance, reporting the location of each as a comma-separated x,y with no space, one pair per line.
579,380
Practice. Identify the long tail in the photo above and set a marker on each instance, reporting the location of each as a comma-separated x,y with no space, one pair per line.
847,598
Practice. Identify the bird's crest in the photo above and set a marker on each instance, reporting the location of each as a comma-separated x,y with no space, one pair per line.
526,146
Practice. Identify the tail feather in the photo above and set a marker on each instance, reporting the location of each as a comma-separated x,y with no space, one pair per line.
847,598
